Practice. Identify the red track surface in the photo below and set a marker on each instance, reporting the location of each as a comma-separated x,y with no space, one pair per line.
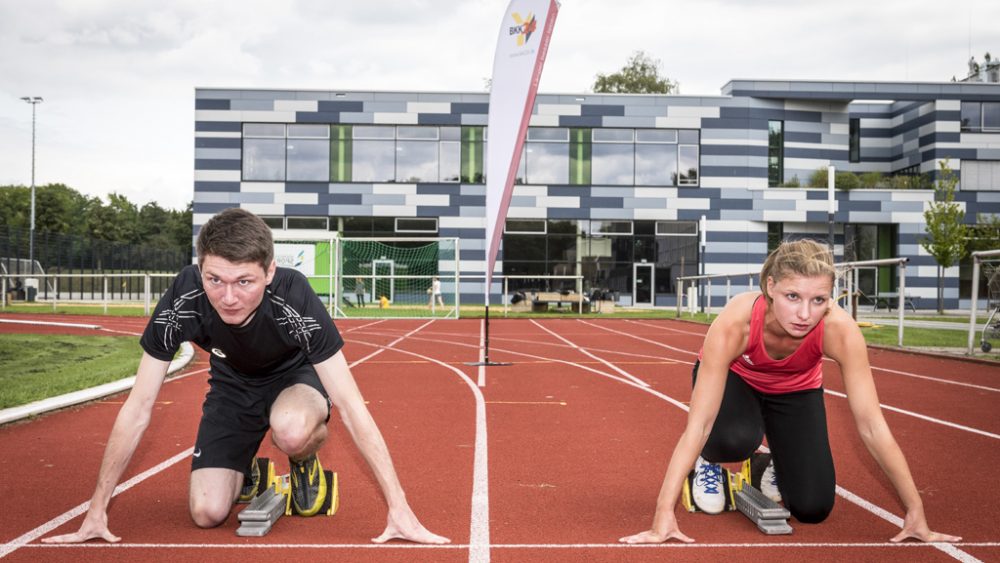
574,455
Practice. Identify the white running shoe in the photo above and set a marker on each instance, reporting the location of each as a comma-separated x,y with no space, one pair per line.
769,483
709,491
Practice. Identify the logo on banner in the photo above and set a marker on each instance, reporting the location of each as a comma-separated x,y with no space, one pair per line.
524,28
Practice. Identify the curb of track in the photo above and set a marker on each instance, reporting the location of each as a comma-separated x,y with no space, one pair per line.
82,396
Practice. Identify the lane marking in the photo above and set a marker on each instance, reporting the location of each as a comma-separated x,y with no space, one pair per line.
49,323
72,513
479,527
560,403
584,351
481,380
925,417
452,546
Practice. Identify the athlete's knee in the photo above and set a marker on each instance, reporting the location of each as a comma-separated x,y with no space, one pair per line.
811,510
295,437
209,512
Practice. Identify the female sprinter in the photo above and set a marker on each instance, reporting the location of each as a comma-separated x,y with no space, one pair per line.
760,373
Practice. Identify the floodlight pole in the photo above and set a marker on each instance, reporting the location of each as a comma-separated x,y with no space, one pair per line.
34,101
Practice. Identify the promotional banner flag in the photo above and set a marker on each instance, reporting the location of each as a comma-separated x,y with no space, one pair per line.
517,68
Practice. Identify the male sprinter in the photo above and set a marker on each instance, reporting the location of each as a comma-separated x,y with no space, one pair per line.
276,362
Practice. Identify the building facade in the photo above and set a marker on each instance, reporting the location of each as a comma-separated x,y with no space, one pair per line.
616,187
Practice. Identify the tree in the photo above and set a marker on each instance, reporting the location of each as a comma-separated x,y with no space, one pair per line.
640,75
946,232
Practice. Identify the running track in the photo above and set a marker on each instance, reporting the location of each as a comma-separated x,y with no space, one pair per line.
551,459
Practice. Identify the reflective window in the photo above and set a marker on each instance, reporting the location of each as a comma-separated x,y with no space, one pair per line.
677,228
416,225
854,140
374,132
687,164
264,159
524,226
547,163
319,223
416,161
656,136
613,135
612,163
373,161
451,161
274,222
611,227
548,134
274,130
655,165
991,115
308,160
972,117
775,153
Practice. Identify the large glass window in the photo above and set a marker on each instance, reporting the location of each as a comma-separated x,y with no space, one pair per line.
972,116
263,151
775,153
656,157
687,156
374,154
451,154
417,154
547,155
308,146
991,116
613,157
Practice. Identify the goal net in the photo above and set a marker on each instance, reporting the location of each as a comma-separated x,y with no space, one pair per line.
397,278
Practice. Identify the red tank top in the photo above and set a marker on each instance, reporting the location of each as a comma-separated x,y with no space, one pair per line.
800,371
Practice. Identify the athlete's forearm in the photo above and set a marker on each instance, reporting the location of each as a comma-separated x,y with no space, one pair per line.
372,446
128,429
887,453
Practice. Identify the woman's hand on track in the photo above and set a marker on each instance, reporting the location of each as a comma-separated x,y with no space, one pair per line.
670,531
915,526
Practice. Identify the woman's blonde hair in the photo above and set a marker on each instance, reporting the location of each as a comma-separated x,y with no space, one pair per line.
805,257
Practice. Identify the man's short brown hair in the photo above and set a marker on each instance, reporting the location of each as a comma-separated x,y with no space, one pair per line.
238,236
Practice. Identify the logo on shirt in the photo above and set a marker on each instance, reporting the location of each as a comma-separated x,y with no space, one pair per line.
746,358
218,352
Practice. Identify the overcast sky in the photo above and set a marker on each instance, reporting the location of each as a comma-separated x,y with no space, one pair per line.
118,76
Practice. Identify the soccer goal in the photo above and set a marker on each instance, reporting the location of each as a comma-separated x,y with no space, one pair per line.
397,278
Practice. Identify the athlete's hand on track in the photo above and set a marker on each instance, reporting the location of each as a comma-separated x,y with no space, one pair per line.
405,526
915,526
671,531
92,527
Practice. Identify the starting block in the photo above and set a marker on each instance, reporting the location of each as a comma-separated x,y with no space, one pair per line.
742,494
275,501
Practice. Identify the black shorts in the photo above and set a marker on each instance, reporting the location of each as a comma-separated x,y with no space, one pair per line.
236,414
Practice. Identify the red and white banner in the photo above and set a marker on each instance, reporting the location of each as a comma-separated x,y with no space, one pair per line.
517,68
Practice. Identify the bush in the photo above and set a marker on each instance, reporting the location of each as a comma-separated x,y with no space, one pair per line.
845,181
818,178
870,180
793,183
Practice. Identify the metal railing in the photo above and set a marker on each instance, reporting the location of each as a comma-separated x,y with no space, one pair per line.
49,292
977,259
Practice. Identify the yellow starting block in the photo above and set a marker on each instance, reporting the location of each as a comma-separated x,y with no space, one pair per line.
276,501
742,494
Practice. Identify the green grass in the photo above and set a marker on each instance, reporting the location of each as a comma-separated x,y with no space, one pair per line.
114,310
40,366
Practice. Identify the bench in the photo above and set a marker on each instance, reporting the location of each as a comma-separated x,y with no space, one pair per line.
890,299
540,301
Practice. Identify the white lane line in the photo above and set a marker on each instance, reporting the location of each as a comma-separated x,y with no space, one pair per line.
72,513
841,395
49,323
584,351
452,546
482,354
925,417
887,370
479,529
390,345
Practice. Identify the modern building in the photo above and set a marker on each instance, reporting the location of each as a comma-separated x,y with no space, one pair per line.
616,187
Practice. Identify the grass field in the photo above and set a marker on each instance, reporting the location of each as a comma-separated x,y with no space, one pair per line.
36,367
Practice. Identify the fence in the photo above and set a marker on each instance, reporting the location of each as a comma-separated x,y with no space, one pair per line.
135,288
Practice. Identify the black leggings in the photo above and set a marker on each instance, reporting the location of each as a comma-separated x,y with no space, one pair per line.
795,425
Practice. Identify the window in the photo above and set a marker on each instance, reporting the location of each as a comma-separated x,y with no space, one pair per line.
547,155
580,156
854,140
775,153
775,234
972,116
274,222
451,154
991,116
611,227
307,148
373,157
416,154
315,223
613,157
263,152
677,228
340,153
525,226
687,156
416,225
980,175
656,157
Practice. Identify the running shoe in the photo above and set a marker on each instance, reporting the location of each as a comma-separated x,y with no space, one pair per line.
769,483
709,486
309,485
251,483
